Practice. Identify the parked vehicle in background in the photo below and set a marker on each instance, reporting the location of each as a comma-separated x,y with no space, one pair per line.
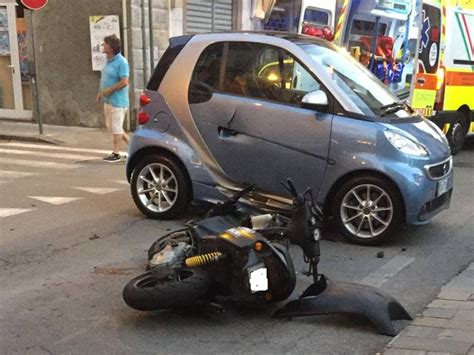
444,86
301,16
383,35
218,114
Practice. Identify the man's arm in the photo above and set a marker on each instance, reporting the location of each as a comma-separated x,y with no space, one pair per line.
110,90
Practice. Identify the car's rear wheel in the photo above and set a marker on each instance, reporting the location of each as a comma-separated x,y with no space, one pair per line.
367,209
457,133
160,187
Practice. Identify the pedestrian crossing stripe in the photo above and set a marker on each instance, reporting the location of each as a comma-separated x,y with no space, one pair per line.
47,154
38,164
55,200
97,190
47,147
7,212
10,174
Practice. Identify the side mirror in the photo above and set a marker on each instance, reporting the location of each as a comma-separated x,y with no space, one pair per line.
317,100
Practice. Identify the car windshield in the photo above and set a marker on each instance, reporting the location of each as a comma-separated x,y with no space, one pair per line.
357,83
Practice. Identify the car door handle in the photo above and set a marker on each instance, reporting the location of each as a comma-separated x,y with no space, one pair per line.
225,132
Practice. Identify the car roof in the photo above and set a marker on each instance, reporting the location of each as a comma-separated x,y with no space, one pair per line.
289,36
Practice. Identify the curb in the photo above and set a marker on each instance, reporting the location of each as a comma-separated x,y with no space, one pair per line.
34,139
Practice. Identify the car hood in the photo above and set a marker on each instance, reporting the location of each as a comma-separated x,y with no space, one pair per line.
426,133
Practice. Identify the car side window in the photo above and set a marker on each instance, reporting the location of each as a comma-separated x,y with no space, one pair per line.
208,67
266,72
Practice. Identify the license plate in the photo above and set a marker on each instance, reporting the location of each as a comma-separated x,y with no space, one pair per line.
258,278
442,187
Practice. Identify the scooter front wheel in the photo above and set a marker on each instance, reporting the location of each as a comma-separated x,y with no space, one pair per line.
146,293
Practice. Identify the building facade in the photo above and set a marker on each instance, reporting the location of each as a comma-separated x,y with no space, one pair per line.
46,69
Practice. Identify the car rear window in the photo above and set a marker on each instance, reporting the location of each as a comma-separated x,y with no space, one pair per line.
175,47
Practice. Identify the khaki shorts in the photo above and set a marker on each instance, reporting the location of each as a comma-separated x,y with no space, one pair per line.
114,117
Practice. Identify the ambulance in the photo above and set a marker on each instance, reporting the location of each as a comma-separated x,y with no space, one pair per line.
443,87
302,16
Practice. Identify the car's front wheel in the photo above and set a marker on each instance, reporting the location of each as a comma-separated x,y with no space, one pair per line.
160,187
367,209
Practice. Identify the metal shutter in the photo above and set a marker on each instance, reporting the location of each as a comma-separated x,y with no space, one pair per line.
208,16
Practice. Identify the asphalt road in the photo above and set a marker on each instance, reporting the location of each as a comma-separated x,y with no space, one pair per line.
65,260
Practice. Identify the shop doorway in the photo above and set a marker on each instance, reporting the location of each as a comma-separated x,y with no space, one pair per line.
15,87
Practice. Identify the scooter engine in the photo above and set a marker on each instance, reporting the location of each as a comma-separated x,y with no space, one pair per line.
165,263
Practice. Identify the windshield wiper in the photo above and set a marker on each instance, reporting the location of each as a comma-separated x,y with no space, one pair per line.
394,107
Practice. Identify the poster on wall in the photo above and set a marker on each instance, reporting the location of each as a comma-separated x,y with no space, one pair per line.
101,27
23,49
4,39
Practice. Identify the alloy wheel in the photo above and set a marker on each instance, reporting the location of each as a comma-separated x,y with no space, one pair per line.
157,187
366,211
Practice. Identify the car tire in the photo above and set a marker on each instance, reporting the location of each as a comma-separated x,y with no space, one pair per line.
457,133
160,186
367,220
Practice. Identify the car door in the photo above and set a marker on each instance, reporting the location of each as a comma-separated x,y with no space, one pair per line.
245,99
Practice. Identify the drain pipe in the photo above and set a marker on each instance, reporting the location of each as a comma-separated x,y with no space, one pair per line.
152,39
145,59
126,53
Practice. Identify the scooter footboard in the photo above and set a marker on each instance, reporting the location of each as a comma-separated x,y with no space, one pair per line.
350,298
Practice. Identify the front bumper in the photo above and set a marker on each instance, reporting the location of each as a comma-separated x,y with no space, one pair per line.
422,200
433,207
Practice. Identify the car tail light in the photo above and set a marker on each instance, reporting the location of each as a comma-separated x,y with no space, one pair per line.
143,117
440,84
144,100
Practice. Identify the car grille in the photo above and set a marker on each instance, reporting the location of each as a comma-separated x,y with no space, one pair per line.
439,170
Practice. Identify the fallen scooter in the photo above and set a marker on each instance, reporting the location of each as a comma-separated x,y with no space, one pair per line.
246,258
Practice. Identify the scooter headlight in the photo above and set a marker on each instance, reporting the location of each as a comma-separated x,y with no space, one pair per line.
405,144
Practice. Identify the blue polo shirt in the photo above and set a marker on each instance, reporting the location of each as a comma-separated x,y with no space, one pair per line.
114,70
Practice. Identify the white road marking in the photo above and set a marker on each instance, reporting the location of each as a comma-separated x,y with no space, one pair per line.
48,154
57,147
56,200
123,182
38,164
97,190
7,212
378,277
10,174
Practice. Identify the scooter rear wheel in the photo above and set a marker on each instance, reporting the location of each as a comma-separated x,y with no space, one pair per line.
146,293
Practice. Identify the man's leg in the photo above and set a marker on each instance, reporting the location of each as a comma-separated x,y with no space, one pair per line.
117,126
115,119
117,140
125,137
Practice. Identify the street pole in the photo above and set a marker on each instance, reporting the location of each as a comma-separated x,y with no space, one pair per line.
32,68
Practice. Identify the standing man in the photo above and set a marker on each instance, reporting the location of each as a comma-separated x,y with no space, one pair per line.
114,93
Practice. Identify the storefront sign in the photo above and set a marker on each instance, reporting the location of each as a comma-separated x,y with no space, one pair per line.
101,27
34,4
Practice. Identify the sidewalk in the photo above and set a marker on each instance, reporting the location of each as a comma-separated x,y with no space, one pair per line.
60,135
446,325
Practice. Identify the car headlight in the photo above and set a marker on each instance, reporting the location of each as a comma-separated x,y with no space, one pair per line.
405,144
